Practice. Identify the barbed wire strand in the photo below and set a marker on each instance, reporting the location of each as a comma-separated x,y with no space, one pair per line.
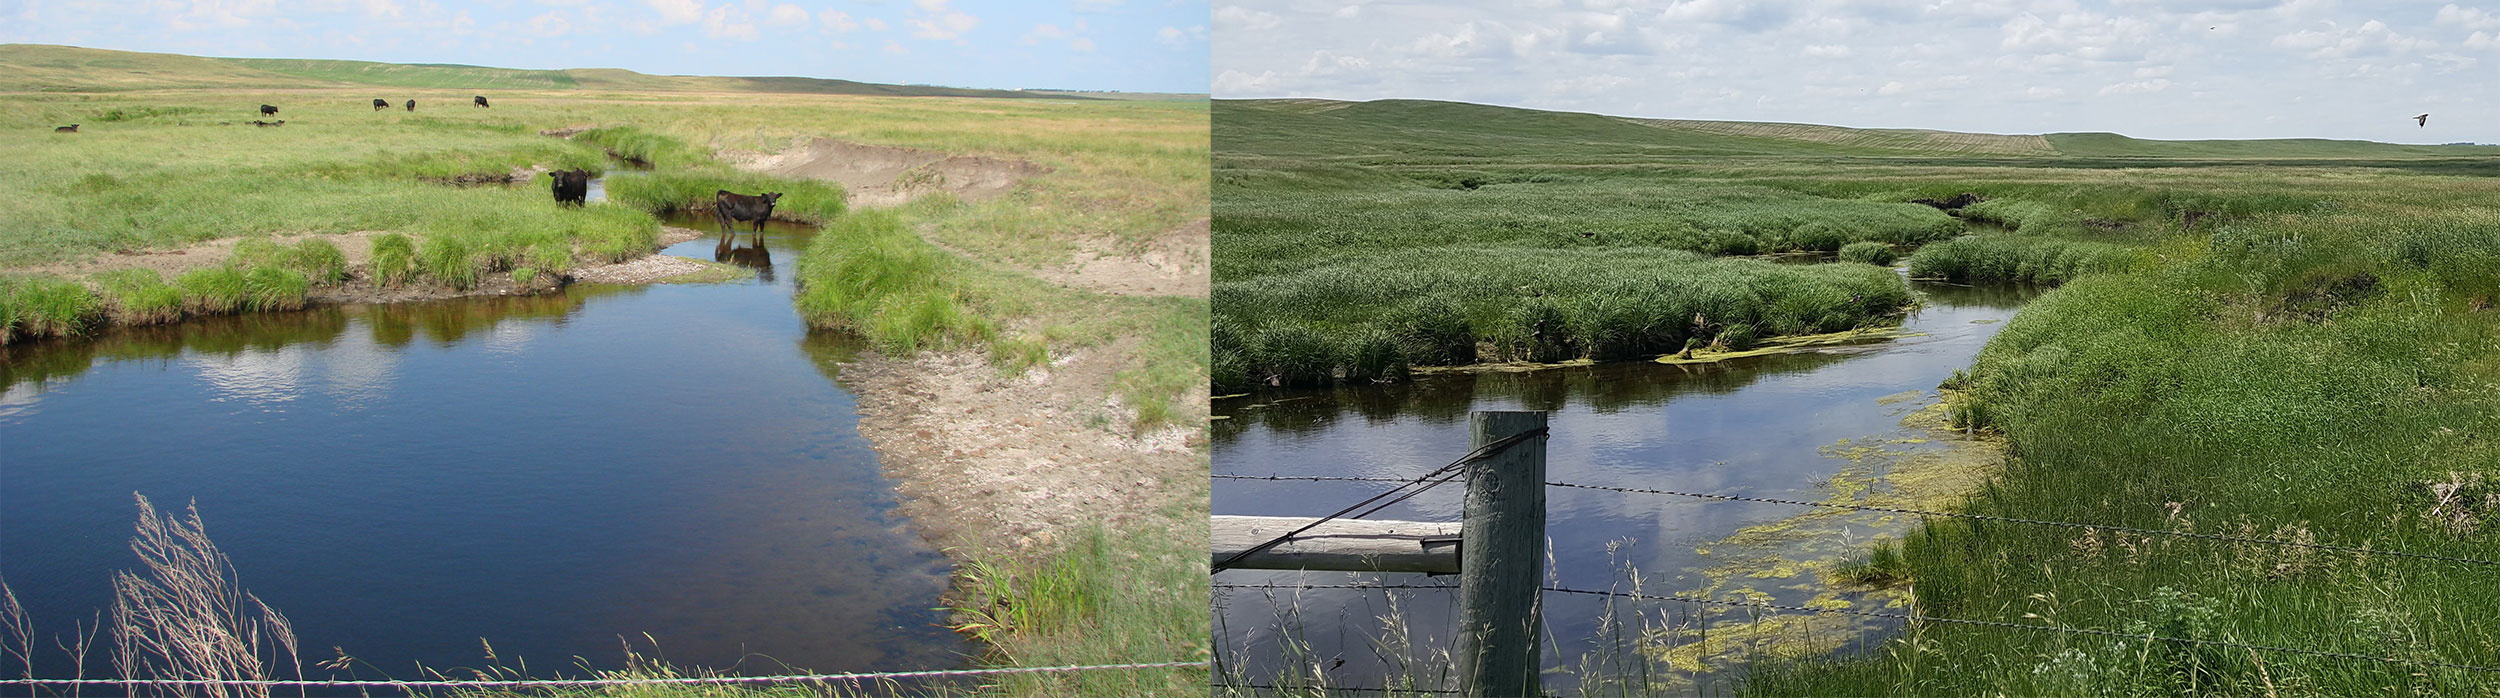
1496,446
1940,514
676,680
1331,689
1932,619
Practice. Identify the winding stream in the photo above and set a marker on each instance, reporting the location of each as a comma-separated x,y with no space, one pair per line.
1797,426
556,475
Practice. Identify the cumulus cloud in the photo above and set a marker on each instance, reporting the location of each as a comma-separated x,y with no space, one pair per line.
2372,38
552,24
787,15
729,22
2143,67
838,21
940,23
677,11
1236,17
2474,18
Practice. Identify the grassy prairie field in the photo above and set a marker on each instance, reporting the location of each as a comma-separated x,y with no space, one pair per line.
164,159
2289,340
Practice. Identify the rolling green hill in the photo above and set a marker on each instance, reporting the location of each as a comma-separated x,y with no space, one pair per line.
1422,131
45,68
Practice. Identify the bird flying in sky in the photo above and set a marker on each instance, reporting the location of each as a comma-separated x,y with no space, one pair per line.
2421,121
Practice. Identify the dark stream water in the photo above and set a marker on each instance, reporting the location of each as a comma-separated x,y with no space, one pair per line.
556,475
1755,426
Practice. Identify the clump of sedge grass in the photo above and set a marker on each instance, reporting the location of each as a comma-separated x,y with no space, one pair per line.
213,290
1867,252
275,287
449,260
51,307
140,296
393,260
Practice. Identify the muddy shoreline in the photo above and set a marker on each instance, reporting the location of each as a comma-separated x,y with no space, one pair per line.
993,468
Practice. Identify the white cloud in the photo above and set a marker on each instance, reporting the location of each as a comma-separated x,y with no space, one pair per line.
1082,45
942,24
2466,17
1827,51
787,15
552,24
875,24
1237,83
838,21
895,48
677,11
1234,17
2136,87
2372,38
2483,41
729,22
384,8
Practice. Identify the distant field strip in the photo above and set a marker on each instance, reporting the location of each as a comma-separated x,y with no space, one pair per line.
404,75
1914,140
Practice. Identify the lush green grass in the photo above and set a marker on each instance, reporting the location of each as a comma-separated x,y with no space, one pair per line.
807,201
2310,373
1867,252
1365,317
868,274
1998,259
140,296
1132,593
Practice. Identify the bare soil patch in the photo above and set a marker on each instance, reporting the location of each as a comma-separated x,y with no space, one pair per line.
876,175
1174,264
1010,466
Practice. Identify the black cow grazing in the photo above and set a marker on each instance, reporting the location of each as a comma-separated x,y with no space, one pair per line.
728,208
571,186
72,128
266,110
381,104
481,101
412,105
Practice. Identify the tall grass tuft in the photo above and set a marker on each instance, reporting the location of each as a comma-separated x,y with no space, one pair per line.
866,273
213,290
1996,259
140,296
450,260
53,307
393,260
1867,252
275,287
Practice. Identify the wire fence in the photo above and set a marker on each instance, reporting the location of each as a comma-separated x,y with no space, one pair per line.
1914,618
2359,550
597,683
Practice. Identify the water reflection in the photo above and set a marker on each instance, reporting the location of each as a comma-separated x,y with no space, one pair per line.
550,473
1752,426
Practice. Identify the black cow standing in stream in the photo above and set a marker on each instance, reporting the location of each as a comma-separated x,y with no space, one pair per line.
381,104
481,101
572,187
729,208
266,110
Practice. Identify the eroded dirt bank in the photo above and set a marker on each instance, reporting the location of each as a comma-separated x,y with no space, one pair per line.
1011,466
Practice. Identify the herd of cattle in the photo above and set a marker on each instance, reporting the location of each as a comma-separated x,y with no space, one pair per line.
572,187
272,110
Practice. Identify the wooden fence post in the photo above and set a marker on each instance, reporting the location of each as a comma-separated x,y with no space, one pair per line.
1502,560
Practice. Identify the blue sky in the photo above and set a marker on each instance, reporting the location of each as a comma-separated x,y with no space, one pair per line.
2358,69
1130,45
